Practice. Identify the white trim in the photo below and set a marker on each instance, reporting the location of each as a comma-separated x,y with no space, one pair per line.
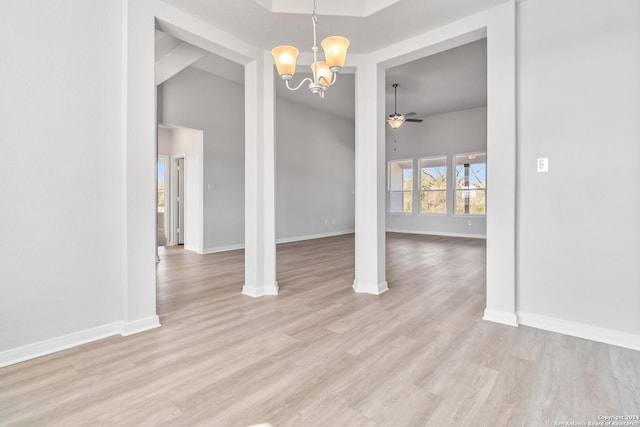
370,288
140,325
254,292
64,342
314,236
172,235
222,249
192,248
278,241
503,317
400,213
436,233
581,330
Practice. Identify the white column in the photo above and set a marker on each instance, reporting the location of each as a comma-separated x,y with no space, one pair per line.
501,166
139,165
260,244
370,181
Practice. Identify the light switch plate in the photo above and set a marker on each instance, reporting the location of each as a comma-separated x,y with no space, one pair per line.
543,164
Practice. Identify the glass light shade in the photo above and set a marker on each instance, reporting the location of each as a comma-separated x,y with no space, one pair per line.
395,122
323,74
285,57
335,50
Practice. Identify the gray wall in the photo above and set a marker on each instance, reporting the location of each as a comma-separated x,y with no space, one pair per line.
315,179
579,105
444,134
314,166
199,100
61,181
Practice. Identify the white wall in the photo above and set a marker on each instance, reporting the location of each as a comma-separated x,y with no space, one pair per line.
579,105
164,141
315,177
61,181
199,100
444,134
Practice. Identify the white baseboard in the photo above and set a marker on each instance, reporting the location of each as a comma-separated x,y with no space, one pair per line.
53,345
227,248
503,317
252,291
196,249
436,233
370,288
314,236
130,328
581,330
222,249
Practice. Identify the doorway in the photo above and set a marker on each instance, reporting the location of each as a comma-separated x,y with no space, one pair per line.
183,198
178,227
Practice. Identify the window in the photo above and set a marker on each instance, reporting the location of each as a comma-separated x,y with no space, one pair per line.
401,186
471,183
433,185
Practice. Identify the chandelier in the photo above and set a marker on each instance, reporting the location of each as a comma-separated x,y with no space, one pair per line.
324,72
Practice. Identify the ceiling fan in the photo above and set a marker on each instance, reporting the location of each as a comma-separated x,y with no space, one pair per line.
396,120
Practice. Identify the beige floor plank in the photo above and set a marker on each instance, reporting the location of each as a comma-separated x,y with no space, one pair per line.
320,355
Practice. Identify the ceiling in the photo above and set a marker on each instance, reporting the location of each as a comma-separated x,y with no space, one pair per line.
452,80
255,23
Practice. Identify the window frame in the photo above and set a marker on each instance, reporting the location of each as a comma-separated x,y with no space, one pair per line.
455,184
390,191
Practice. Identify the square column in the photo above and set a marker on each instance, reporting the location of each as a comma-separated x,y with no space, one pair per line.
138,156
501,166
259,205
370,272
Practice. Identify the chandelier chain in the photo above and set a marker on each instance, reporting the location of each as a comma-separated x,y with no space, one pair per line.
314,19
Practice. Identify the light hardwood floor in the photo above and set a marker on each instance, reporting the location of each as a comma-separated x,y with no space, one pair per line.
320,355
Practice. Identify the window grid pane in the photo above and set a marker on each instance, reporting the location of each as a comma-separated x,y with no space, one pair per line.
401,186
471,184
433,185
476,200
433,201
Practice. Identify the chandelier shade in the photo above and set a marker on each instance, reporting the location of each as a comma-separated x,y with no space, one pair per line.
321,73
285,58
335,51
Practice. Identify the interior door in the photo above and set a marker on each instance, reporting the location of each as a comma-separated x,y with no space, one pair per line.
180,201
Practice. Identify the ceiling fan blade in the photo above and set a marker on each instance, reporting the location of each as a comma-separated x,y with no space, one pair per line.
409,114
413,120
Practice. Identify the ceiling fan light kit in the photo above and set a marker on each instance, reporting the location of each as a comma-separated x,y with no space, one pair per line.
324,72
396,120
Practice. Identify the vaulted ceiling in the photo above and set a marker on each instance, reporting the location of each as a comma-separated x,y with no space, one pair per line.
448,81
